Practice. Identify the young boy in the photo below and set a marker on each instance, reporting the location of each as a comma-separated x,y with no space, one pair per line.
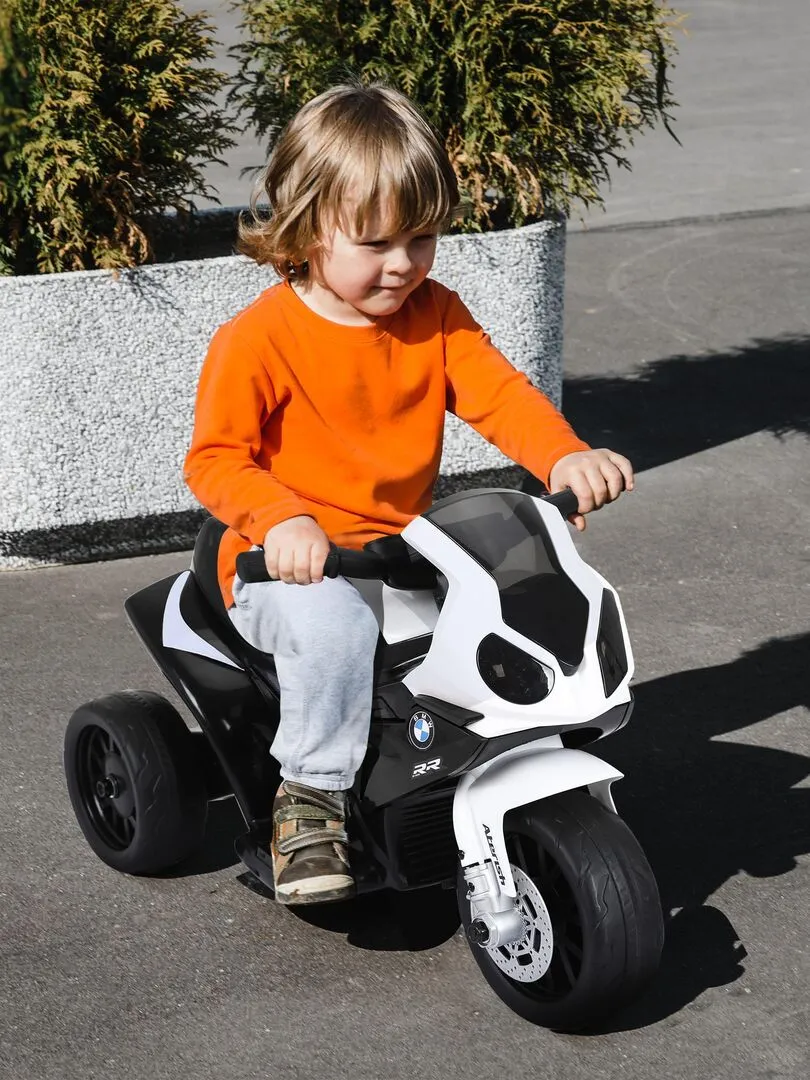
319,416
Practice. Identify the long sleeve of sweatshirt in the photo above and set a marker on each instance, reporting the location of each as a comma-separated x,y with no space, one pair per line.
500,402
235,399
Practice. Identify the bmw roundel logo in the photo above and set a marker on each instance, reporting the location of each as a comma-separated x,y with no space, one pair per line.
420,730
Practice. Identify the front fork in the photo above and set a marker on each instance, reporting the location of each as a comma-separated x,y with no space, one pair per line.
484,796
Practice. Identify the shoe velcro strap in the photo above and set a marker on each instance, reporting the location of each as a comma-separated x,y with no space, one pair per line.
329,800
302,812
312,836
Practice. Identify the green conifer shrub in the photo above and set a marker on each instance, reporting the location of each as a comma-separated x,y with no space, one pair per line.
535,99
107,117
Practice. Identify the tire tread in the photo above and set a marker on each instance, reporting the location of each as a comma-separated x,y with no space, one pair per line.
618,901
170,796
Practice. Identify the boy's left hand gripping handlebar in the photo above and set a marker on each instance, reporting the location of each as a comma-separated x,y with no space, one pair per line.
250,565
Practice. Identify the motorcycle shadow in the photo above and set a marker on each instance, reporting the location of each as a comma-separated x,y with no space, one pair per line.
706,808
217,851
388,921
701,950
385,921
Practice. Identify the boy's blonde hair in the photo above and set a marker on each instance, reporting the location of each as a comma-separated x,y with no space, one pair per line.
348,153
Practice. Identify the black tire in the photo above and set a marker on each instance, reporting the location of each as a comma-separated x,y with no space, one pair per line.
153,812
603,903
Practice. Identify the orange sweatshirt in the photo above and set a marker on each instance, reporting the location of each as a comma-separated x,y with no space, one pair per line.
299,415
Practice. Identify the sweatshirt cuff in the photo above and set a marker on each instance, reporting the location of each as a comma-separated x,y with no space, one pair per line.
265,519
574,446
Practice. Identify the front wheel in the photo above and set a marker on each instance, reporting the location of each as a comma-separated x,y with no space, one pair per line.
594,929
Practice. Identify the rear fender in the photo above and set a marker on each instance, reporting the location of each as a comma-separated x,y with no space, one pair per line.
530,772
170,617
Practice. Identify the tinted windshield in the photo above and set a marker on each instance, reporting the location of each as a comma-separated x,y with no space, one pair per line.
504,532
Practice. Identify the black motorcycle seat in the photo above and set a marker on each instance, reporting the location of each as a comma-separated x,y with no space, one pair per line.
206,555
205,564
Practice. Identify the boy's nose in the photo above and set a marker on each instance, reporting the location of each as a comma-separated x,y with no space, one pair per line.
398,261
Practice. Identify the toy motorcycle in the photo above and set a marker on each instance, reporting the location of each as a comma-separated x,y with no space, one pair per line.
501,655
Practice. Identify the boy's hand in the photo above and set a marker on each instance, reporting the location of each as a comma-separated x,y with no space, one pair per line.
295,551
596,477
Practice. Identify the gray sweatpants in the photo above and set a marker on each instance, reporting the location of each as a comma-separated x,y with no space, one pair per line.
322,637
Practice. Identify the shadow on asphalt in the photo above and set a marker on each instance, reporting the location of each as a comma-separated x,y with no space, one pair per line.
384,921
390,921
225,823
681,405
701,950
706,808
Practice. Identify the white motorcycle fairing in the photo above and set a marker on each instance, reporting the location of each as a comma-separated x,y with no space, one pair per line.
530,772
576,695
472,610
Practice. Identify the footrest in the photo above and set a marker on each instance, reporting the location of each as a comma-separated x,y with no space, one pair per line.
251,850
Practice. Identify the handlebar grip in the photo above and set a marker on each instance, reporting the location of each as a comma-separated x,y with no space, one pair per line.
331,566
565,501
251,567
351,563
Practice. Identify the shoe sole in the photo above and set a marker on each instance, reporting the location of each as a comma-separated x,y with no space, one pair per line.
320,890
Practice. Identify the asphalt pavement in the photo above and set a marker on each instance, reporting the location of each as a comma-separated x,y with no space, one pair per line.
686,347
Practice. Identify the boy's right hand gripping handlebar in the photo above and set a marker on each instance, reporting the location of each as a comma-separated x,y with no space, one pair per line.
346,562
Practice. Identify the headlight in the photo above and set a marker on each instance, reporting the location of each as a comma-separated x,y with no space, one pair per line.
511,673
610,644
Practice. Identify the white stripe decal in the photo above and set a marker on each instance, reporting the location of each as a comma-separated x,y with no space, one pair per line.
177,634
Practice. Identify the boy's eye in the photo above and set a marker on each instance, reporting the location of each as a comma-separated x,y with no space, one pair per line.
378,245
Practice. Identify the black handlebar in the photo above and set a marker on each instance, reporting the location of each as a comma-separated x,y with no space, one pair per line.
346,562
565,501
250,565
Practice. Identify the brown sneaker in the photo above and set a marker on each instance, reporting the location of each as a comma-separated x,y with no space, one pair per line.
309,847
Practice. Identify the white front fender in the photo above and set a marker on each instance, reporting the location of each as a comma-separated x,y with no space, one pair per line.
524,775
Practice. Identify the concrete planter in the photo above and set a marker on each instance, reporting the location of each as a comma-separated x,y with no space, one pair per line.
98,372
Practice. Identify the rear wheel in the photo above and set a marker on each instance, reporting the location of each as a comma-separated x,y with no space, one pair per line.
135,781
594,929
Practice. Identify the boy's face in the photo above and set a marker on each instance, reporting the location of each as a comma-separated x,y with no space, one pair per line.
357,279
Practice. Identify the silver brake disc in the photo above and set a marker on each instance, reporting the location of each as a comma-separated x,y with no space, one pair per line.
527,960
